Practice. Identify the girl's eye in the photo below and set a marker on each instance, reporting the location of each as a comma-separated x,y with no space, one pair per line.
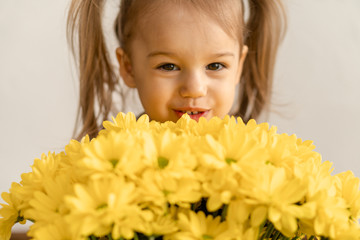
215,66
168,67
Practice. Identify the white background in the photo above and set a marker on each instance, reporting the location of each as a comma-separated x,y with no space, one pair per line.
316,93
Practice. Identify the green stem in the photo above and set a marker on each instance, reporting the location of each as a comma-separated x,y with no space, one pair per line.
277,235
261,228
224,212
282,237
268,231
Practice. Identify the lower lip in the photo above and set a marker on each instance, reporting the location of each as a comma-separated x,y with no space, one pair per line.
196,117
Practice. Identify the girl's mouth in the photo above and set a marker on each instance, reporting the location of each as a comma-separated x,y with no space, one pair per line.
192,113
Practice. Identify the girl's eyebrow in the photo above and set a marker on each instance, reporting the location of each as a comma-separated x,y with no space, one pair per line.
223,54
157,53
216,55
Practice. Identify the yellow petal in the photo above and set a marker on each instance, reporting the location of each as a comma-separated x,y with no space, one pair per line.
258,216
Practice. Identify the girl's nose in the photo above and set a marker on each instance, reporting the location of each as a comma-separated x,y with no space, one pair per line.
193,85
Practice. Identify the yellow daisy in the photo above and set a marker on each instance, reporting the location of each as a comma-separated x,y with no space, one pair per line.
198,226
43,169
57,230
331,215
224,158
348,188
162,224
238,218
116,153
276,197
159,189
10,212
47,206
170,175
124,122
114,201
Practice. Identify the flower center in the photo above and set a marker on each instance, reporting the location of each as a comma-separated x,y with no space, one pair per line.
162,162
230,160
114,162
207,237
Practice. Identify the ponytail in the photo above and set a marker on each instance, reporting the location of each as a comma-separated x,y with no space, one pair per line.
264,32
97,78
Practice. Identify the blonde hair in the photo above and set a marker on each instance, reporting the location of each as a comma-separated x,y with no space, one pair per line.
261,32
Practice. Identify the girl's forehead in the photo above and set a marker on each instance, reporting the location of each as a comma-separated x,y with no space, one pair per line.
183,32
172,17
170,14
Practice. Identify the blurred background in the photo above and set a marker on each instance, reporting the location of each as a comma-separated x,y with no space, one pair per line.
316,89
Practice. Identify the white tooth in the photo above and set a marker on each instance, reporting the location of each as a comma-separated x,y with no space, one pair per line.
188,112
195,112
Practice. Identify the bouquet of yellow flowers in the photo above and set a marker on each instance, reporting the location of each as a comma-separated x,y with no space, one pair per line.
209,180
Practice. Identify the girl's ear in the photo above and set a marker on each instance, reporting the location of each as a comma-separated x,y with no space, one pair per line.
242,60
243,54
125,68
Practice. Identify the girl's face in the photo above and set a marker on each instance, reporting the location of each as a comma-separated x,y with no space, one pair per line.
182,62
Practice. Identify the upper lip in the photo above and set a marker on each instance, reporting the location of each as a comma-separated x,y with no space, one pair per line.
191,109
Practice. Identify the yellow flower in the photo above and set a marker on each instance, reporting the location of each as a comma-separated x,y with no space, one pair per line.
237,146
331,214
184,125
43,169
158,127
238,215
214,125
58,230
172,179
125,122
275,197
238,212
111,200
288,151
74,149
332,202
162,224
48,206
158,189
169,176
10,212
116,153
197,226
220,186
352,232
348,188
168,152
223,158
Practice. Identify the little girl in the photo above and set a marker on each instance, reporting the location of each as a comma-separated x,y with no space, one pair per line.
200,57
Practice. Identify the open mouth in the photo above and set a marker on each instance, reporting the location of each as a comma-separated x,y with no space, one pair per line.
193,114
